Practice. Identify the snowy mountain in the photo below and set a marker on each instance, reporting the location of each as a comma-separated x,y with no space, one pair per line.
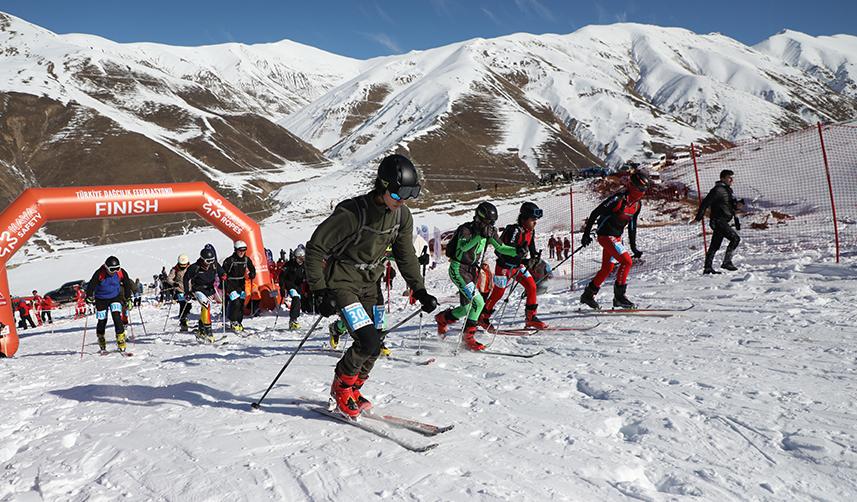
258,121
832,60
551,102
79,109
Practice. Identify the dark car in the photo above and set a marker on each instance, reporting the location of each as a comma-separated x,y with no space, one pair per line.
65,293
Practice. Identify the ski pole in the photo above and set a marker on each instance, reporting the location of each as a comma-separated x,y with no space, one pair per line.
83,342
400,323
424,256
143,323
470,304
258,404
169,309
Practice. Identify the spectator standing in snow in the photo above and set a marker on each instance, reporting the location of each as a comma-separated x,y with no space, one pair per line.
723,205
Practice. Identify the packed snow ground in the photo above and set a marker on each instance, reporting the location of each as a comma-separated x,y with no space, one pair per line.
750,395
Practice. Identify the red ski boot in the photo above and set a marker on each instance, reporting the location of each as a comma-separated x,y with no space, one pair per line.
444,319
470,339
534,322
485,320
362,403
341,391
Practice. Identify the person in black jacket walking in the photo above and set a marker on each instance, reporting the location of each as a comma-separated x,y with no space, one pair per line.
723,204
199,283
236,266
292,280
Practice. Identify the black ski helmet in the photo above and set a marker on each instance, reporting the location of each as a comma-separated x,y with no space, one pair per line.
640,180
112,264
486,213
530,210
207,255
397,174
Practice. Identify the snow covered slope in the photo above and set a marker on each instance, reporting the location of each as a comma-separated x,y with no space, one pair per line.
622,90
832,60
750,395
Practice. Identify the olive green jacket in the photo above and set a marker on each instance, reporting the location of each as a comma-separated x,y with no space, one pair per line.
362,262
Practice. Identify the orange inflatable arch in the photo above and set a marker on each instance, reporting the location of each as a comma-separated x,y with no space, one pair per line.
36,206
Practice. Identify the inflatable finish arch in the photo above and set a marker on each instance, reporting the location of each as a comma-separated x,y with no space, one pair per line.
36,206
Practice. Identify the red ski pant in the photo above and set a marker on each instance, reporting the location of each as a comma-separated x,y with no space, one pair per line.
613,252
501,281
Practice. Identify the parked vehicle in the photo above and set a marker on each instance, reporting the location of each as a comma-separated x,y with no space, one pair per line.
65,293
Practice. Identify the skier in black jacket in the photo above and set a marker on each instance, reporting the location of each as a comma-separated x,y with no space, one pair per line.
199,283
292,280
237,266
610,219
723,204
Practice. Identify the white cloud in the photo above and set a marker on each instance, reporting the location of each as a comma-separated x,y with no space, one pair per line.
535,6
385,40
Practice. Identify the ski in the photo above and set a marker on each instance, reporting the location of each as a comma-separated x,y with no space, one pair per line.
373,430
531,331
411,361
524,355
618,312
407,423
108,352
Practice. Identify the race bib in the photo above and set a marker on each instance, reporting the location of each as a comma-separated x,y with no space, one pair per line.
469,289
500,281
101,315
115,307
234,296
379,314
356,316
293,293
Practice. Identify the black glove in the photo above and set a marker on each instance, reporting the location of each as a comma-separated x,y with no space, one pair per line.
637,253
90,300
325,302
428,302
737,224
586,239
423,259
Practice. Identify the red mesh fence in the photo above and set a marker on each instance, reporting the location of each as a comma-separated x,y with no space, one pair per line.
782,180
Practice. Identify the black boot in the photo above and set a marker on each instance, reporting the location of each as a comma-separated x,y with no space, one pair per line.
727,265
619,299
588,296
709,270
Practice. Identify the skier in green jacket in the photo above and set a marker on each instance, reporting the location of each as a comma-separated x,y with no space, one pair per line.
345,261
465,252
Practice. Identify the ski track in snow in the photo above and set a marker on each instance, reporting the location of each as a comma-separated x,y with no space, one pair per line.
751,395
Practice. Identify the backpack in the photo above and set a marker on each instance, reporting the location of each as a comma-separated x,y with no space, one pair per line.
358,207
452,246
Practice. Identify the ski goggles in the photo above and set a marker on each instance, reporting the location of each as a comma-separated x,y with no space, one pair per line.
241,250
536,213
208,261
113,270
404,192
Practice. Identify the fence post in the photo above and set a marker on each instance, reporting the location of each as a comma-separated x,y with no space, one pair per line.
571,205
699,197
830,189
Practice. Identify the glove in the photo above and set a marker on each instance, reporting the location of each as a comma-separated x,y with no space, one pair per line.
428,302
90,300
326,303
520,252
423,259
737,223
586,239
129,305
637,253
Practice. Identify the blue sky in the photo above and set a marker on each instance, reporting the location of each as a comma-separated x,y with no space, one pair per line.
368,28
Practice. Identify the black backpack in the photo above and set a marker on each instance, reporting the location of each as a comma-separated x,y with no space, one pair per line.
452,247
